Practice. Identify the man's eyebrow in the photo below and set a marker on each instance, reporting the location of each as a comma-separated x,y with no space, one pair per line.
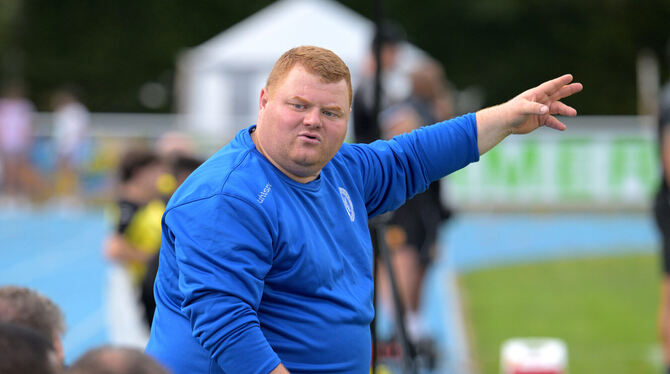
334,108
301,99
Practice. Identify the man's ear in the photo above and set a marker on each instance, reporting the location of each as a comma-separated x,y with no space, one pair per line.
263,100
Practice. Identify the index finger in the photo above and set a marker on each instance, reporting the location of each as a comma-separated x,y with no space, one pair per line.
550,87
566,91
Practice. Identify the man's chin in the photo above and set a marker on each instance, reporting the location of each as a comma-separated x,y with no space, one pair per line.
305,167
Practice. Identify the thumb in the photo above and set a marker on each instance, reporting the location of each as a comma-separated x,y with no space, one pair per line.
531,107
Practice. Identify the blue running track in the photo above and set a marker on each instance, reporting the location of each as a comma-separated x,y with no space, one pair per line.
59,254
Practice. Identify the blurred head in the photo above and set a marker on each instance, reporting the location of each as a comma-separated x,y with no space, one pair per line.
24,350
174,143
65,95
428,80
116,360
29,308
388,36
140,170
182,166
430,85
303,112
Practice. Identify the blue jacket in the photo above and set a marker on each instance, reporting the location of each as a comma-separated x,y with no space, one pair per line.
257,269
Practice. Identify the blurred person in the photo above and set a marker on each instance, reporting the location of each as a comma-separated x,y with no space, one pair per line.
181,166
25,351
389,38
137,217
16,121
411,231
29,308
662,215
266,260
71,121
116,360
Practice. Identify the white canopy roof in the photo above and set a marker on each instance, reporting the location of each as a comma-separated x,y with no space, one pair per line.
218,82
264,36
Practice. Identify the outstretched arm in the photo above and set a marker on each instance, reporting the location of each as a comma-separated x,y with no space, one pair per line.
528,111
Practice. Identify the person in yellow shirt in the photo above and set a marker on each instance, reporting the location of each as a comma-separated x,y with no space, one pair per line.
137,214
181,166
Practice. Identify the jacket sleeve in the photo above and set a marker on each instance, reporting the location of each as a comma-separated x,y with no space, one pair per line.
395,170
224,250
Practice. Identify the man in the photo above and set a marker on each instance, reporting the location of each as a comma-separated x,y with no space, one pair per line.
71,121
181,166
389,38
24,350
138,212
29,308
266,261
411,231
16,121
115,360
137,218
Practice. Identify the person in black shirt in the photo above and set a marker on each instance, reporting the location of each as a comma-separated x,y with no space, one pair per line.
137,218
181,166
662,215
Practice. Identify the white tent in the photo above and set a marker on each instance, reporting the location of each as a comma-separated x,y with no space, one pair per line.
219,81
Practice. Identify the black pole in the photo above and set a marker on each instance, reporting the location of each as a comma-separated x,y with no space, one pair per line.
380,249
409,351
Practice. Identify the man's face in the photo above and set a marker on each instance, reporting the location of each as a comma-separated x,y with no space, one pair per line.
302,123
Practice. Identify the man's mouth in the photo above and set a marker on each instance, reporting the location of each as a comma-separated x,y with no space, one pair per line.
310,138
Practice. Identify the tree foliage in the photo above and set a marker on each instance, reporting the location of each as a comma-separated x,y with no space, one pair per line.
504,46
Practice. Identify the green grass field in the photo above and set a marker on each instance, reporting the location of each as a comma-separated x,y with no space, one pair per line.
603,308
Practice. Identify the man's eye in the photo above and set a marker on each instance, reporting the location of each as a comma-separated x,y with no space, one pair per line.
299,106
328,113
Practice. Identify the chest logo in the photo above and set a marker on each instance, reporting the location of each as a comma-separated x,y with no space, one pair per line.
346,200
261,196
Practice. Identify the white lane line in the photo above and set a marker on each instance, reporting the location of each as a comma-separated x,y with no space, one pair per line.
459,360
123,315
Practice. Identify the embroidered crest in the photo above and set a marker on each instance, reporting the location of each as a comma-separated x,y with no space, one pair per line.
348,205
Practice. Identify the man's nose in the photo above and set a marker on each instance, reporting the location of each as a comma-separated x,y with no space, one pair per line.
313,117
